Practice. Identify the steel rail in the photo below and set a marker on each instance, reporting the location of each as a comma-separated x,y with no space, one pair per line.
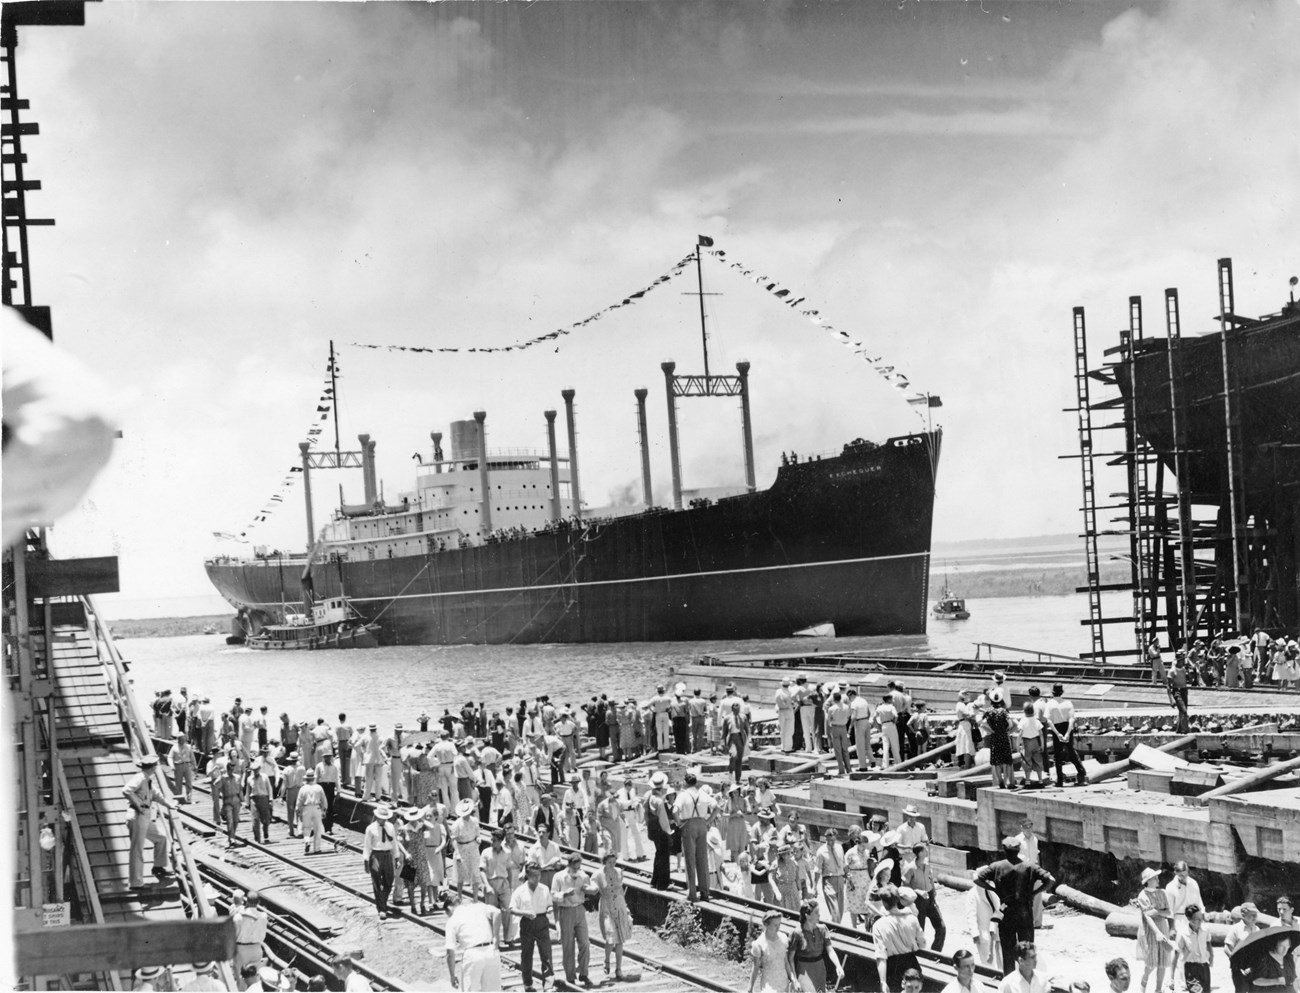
297,939
686,975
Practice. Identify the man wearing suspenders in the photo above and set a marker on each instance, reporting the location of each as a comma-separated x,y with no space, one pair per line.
693,810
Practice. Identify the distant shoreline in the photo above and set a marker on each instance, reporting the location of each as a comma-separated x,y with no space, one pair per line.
988,584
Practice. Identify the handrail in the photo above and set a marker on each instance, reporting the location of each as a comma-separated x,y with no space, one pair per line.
83,862
133,714
1039,655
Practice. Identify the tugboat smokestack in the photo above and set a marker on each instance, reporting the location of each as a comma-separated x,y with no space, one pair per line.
437,450
574,488
645,445
556,512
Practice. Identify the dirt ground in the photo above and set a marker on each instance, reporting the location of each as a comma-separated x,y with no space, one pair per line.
1072,945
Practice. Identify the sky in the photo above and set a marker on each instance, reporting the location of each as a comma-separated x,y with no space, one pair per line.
238,184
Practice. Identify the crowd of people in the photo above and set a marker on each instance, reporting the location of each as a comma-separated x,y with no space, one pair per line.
486,813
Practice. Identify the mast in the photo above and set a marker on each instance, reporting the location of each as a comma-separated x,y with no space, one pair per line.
704,333
334,394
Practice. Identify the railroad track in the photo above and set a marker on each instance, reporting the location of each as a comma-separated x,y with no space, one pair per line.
349,878
292,944
936,968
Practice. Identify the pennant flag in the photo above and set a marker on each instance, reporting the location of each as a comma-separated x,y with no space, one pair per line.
705,241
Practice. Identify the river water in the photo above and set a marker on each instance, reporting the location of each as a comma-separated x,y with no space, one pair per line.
386,685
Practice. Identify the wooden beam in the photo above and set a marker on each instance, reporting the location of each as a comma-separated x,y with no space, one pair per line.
71,577
100,947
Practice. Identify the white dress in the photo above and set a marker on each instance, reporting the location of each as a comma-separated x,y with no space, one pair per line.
965,740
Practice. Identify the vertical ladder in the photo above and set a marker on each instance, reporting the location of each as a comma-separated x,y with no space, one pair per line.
1240,586
1141,499
1187,598
1095,624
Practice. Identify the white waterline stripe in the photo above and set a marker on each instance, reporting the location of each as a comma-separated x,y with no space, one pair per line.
634,579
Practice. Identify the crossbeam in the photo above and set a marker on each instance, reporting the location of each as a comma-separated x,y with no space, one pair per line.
706,386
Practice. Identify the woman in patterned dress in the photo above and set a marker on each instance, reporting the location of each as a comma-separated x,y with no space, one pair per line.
1000,754
425,778
435,845
737,826
858,864
1155,941
412,837
615,918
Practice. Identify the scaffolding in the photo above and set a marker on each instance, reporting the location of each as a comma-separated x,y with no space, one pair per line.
1209,505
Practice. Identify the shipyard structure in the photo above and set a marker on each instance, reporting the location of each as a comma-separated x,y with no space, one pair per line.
1206,431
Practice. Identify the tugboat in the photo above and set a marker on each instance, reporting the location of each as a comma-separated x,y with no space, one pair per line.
950,607
332,623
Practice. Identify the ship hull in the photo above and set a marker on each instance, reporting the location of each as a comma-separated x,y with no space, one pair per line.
843,539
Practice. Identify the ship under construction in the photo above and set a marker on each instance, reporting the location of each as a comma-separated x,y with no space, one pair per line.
1205,431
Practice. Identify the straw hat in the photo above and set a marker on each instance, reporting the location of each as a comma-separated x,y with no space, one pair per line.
658,781
766,814
911,811
465,807
383,812
1149,873
889,839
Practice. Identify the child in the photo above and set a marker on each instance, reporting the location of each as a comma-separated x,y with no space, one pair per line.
1031,747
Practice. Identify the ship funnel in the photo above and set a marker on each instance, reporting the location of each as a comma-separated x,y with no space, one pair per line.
480,416
574,490
437,450
746,429
640,395
556,511
367,469
668,368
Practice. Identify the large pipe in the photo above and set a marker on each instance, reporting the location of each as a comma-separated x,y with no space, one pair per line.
367,479
641,394
305,448
480,416
1257,778
1116,768
747,430
575,492
437,450
556,511
375,495
668,368
923,758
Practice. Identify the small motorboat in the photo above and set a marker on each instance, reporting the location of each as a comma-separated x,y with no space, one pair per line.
210,629
950,607
823,630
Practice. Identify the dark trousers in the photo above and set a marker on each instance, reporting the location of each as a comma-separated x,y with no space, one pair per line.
661,877
261,738
896,965
381,878
261,818
1064,752
682,735
695,852
1196,977
1014,928
345,764
699,733
906,736
927,909
484,803
329,789
615,745
736,756
535,932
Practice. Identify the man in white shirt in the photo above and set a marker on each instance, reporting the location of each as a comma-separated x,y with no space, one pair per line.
353,981
964,964
1023,978
629,805
569,895
531,903
471,932
860,712
1182,891
828,864
911,831
785,715
1060,720
545,854
377,854
887,720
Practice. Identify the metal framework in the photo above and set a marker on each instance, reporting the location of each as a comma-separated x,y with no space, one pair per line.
1203,558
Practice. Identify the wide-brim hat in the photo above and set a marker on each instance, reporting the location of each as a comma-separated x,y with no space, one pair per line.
911,811
906,894
309,774
414,813
147,761
1149,873
466,806
383,812
267,975
889,839
658,781
766,813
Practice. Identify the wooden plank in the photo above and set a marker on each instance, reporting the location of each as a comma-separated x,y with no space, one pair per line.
127,945
72,577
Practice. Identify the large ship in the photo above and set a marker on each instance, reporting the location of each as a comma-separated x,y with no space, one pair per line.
495,547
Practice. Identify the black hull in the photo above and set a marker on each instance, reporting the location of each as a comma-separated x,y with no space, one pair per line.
844,539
